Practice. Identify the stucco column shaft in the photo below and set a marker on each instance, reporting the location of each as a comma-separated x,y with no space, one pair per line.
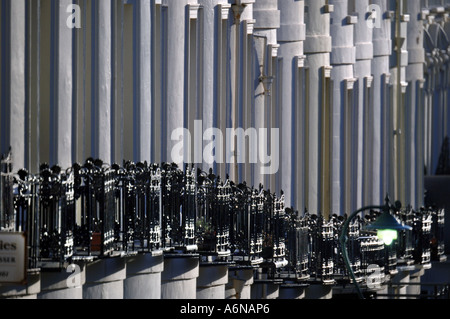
290,37
343,60
13,81
317,49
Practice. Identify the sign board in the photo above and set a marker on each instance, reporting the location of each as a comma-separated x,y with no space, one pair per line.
13,258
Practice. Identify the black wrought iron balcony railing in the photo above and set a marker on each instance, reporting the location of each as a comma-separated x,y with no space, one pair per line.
246,226
96,219
138,211
96,210
214,206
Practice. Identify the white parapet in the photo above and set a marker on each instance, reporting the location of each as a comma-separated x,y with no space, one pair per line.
64,284
211,281
29,290
179,278
143,277
104,279
239,285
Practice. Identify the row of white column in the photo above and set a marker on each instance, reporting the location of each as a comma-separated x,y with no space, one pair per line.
156,277
99,92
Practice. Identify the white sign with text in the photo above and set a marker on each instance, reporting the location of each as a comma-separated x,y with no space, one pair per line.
13,266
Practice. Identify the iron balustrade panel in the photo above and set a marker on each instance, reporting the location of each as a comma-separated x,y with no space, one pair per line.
106,210
257,220
246,226
280,229
240,223
297,248
275,232
323,246
138,205
6,194
188,210
438,237
214,206
179,192
373,256
95,194
171,183
223,213
422,237
391,258
57,215
154,208
26,213
353,248
124,208
404,241
302,250
389,252
206,197
328,248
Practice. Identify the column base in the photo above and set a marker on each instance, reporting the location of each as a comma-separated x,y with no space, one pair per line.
292,291
265,289
143,277
211,281
63,284
319,292
104,279
179,278
28,291
239,283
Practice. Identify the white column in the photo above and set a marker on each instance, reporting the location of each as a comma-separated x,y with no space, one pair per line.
415,78
143,279
103,80
144,75
317,49
290,36
211,66
363,73
376,146
399,161
241,97
63,88
13,81
175,70
267,21
342,75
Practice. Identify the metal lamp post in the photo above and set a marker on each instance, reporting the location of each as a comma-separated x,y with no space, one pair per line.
386,225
